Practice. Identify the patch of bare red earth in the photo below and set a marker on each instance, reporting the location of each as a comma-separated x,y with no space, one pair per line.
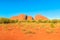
16,33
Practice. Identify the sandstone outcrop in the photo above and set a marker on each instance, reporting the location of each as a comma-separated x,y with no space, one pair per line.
40,17
29,18
22,17
14,18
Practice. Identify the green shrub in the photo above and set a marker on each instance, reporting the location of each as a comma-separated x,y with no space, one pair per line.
43,21
28,21
54,21
40,21
13,21
6,20
52,25
33,21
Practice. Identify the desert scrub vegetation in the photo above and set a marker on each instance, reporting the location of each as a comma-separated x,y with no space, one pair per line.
13,21
49,21
39,21
28,21
52,25
29,32
25,21
54,21
6,21
44,21
49,31
33,21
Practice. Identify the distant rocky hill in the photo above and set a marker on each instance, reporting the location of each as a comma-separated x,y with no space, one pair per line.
25,17
40,17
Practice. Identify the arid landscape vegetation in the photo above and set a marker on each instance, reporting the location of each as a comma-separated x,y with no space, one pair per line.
23,27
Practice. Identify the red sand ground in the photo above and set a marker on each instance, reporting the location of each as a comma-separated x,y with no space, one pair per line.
30,31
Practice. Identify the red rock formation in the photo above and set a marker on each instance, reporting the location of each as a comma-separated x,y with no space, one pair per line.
29,18
14,18
40,17
21,17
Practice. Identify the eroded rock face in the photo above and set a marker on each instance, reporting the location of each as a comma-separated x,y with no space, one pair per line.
21,17
29,18
40,17
14,18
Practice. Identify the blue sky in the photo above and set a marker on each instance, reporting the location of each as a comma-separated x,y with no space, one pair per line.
48,8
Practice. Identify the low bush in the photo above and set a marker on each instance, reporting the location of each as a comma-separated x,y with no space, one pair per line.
6,20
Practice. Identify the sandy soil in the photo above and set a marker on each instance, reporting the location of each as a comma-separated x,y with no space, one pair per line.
30,31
